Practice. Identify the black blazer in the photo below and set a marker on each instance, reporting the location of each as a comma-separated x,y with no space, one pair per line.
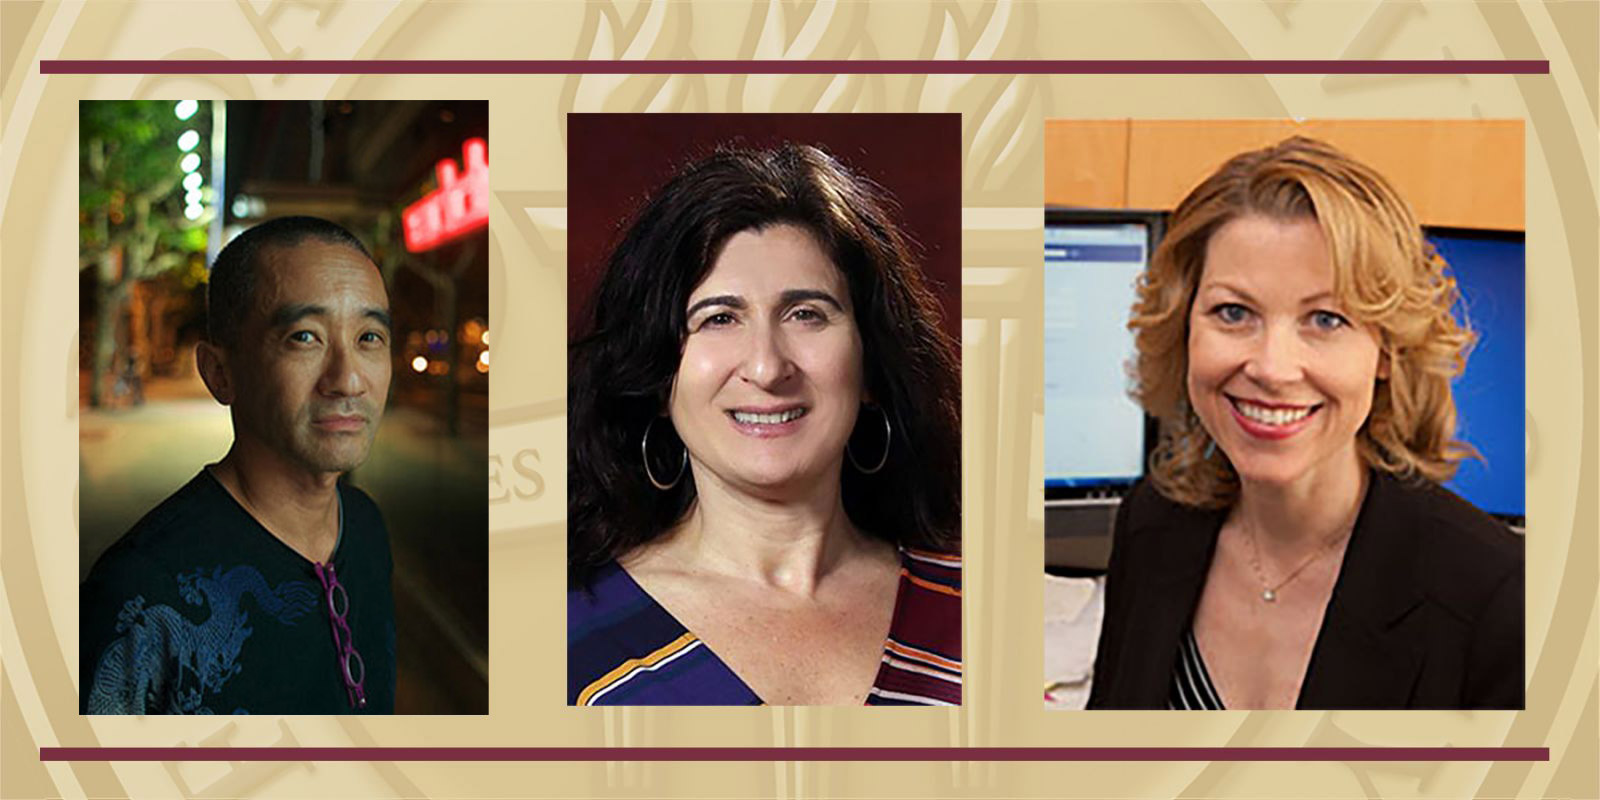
1426,611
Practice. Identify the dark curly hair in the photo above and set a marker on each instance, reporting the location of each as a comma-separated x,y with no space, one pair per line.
621,366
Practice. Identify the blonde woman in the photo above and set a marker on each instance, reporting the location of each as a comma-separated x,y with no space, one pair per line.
1292,547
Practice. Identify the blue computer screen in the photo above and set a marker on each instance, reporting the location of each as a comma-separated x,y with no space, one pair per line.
1490,395
1093,432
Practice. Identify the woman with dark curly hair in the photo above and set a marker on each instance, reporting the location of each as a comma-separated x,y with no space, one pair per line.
1293,549
764,452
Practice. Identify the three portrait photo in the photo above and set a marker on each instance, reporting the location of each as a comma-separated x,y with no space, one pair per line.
1281,430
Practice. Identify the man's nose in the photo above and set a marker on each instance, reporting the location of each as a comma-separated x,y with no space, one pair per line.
342,374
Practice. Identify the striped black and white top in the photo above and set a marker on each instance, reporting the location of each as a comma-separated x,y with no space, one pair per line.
1191,683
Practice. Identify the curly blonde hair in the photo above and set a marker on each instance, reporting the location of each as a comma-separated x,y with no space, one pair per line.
1386,276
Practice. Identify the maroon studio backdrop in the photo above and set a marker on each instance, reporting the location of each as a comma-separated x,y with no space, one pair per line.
615,162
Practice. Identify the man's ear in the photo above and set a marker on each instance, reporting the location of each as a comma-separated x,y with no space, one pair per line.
212,361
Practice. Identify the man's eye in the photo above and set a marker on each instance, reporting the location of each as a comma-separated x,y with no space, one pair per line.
808,315
303,337
372,337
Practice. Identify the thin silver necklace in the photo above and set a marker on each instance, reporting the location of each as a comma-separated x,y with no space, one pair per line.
1269,590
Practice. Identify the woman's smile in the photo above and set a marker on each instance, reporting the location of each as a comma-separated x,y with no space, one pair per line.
1272,420
767,423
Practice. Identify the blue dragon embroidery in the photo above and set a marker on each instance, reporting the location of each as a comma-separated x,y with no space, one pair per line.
164,664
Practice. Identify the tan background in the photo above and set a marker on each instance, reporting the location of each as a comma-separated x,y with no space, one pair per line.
1003,182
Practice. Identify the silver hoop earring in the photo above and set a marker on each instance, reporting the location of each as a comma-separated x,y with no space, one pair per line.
644,451
888,440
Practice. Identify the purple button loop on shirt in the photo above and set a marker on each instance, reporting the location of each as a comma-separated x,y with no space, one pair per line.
351,666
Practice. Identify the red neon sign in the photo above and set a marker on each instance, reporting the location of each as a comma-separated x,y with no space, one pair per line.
460,205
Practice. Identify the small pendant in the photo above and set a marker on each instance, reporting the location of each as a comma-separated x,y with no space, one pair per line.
1267,595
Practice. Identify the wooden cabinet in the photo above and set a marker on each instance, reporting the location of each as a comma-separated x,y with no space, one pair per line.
1085,163
1461,173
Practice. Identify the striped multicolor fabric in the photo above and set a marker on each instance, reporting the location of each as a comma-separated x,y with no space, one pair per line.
922,658
1191,683
623,648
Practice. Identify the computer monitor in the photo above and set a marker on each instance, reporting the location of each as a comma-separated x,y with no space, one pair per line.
1096,438
1489,269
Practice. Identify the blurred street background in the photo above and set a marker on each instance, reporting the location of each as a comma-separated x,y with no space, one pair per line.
163,186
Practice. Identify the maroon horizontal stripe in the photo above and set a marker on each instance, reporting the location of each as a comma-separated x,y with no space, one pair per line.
1241,66
794,754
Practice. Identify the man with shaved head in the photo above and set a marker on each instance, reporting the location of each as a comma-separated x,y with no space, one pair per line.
262,586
